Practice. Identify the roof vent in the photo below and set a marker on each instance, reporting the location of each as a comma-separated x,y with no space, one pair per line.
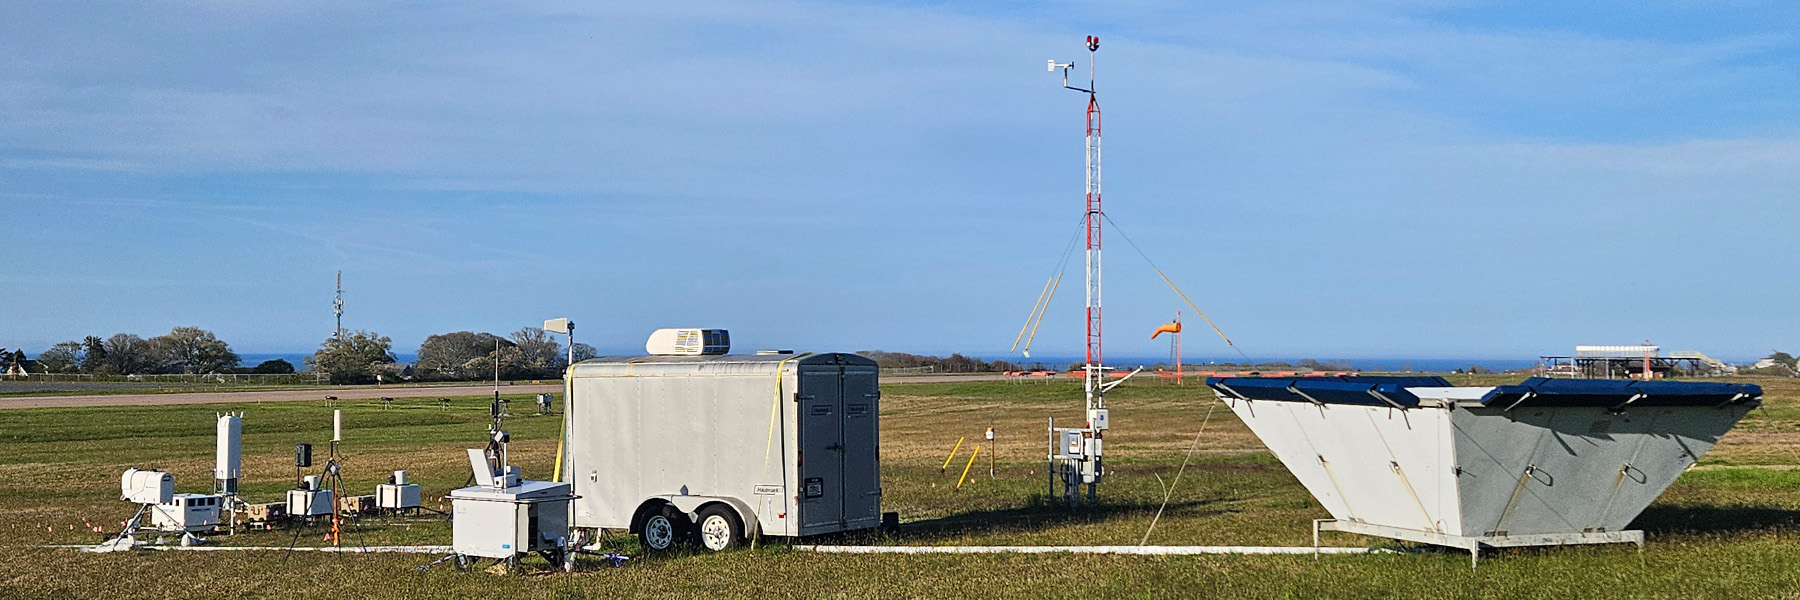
688,342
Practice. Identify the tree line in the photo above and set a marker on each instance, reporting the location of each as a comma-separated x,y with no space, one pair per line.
188,350
955,363
529,353
353,357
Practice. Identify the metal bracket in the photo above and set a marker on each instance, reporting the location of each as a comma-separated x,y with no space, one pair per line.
1106,387
1296,391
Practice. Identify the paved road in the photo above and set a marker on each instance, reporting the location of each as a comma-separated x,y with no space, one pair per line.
270,396
352,394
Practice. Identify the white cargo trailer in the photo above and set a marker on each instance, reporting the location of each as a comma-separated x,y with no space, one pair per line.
709,449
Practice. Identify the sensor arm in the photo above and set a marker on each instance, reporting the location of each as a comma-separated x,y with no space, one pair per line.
1109,386
1065,69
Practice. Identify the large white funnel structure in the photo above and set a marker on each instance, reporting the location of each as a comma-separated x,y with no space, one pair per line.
229,458
1546,462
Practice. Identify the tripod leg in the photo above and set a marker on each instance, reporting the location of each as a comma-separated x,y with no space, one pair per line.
299,526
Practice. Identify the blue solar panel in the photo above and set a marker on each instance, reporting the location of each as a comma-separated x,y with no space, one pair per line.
1326,390
1255,388
1536,391
1619,393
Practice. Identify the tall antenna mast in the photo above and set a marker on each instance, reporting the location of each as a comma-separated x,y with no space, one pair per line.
1094,373
1096,397
337,306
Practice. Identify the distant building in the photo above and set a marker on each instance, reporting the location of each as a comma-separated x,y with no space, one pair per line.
1628,361
1765,363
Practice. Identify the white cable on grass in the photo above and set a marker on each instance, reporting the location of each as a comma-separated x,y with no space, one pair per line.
1137,550
1184,463
349,550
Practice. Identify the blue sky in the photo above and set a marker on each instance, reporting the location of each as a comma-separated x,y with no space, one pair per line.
1326,179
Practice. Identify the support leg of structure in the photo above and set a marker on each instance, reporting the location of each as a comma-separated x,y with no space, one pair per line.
1071,485
1315,528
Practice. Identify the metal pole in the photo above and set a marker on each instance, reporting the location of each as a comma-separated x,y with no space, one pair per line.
337,307
1096,393
567,453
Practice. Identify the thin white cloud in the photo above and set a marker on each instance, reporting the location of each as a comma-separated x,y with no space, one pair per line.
1381,139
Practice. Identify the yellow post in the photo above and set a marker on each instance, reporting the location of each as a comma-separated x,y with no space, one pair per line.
965,475
556,475
952,456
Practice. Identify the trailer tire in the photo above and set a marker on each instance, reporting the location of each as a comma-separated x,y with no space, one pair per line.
719,528
665,528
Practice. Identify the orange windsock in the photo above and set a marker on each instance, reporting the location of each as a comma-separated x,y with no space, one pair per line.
1167,328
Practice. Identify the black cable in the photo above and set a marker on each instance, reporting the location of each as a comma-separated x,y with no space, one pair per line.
1159,272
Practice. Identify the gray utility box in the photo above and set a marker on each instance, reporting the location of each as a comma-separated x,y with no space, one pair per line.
505,522
788,441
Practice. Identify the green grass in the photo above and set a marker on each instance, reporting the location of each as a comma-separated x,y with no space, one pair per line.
1727,529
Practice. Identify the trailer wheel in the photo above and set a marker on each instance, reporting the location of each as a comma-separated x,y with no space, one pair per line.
719,529
665,527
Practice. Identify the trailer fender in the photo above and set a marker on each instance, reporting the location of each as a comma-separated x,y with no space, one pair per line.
691,505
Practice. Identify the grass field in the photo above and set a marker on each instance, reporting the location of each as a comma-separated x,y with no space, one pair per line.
1726,529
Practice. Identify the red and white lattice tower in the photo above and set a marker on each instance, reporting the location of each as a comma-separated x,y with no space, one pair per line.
1093,216
1081,454
1095,397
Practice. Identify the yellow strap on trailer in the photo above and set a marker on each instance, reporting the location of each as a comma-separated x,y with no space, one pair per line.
563,441
775,408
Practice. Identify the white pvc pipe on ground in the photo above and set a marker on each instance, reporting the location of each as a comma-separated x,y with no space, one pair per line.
1137,550
346,549
1142,550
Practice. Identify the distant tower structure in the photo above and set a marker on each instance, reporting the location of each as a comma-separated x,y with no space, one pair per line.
337,306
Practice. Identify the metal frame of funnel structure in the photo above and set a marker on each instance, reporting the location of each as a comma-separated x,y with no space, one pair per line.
1474,544
1546,462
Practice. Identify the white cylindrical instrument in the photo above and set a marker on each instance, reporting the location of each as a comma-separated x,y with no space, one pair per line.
229,458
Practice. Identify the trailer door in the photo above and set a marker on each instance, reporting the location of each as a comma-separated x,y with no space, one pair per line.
862,463
822,449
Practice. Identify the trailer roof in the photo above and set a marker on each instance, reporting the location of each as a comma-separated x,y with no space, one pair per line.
720,364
